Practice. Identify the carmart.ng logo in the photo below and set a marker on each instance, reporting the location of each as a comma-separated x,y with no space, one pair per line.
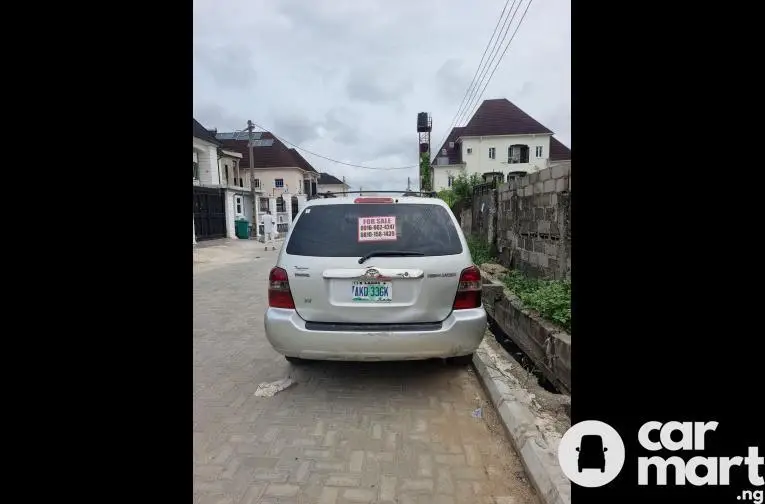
591,454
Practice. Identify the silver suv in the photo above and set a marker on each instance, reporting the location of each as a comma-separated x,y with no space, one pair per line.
375,279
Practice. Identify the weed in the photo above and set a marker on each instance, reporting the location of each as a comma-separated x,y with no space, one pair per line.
551,298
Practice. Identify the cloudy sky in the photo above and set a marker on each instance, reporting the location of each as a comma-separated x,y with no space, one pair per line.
346,78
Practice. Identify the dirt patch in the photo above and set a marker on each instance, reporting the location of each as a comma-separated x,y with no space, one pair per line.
495,270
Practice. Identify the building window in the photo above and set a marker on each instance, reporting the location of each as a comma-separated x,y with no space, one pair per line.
264,204
492,153
256,183
241,182
443,152
280,204
469,150
278,183
196,170
239,205
539,151
449,180
226,167
518,154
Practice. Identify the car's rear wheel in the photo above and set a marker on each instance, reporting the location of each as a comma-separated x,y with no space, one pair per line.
462,360
296,361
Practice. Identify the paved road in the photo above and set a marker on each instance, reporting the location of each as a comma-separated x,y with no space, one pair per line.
345,433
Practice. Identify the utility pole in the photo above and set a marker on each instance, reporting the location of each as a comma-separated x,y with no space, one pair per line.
250,139
408,185
250,127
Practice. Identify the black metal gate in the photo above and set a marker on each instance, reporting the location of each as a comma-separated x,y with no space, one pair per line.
294,207
209,213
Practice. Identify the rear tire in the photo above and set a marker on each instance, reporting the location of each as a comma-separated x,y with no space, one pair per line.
462,360
296,361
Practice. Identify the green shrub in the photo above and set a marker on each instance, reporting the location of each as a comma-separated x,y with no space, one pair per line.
551,298
480,250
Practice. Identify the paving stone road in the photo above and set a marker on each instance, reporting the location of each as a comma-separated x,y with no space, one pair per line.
345,433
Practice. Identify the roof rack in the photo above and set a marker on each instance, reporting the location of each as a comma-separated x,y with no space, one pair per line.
426,194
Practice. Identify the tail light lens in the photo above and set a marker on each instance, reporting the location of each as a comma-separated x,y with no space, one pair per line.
469,289
279,295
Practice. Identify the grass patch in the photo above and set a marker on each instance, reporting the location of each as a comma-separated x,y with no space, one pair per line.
480,250
551,298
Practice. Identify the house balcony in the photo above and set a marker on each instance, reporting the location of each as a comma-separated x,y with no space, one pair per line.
237,185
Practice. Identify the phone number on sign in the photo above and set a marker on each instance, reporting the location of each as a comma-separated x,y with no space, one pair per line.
378,234
378,227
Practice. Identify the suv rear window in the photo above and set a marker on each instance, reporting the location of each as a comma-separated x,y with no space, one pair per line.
348,230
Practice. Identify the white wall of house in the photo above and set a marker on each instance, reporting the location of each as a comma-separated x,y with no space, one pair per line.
291,178
332,188
206,154
441,175
479,160
231,172
230,216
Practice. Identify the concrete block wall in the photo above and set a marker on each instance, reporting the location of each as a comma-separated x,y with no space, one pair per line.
466,221
484,214
533,223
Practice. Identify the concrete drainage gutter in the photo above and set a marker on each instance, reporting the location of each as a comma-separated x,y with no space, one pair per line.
538,457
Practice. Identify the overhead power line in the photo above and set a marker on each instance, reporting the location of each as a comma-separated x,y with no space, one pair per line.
472,105
477,103
505,29
477,71
334,160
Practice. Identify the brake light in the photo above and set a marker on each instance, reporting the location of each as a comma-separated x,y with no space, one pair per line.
373,200
468,289
279,295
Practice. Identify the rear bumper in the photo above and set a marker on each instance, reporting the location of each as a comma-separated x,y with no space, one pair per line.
459,334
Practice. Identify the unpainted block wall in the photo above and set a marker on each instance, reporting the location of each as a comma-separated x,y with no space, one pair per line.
484,213
533,223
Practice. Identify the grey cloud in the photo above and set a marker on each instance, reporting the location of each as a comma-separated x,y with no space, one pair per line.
296,129
527,88
212,115
229,65
341,123
376,87
405,146
453,80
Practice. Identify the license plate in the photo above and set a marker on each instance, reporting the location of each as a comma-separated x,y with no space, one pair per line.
374,292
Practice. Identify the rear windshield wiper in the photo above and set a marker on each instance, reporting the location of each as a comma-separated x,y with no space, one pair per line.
390,253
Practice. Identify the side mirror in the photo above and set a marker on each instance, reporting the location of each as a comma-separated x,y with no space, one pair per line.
577,448
605,449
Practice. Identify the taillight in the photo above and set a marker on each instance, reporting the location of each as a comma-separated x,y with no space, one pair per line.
373,200
279,295
469,289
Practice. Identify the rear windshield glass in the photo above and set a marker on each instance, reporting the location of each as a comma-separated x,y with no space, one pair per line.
353,230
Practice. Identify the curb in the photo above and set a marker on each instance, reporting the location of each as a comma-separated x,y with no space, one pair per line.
540,461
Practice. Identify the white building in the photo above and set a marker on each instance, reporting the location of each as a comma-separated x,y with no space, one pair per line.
500,138
330,183
222,187
282,179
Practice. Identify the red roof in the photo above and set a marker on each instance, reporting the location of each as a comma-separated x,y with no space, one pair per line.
268,155
558,151
203,133
453,153
501,117
302,163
